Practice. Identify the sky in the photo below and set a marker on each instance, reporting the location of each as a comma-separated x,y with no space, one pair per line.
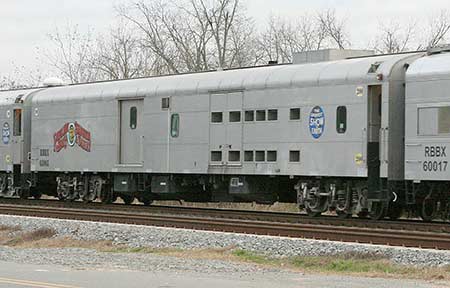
25,24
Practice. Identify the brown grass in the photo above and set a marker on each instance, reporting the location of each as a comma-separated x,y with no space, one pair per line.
353,263
28,237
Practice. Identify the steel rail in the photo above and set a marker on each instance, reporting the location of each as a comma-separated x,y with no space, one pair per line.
380,236
282,217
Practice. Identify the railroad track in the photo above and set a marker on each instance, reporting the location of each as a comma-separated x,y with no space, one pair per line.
396,233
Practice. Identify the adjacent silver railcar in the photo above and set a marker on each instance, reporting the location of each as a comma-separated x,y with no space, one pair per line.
427,137
15,165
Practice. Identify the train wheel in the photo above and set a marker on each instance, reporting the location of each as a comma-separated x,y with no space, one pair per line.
23,193
378,211
363,214
343,204
312,213
127,199
394,211
36,194
315,205
428,209
147,200
343,214
106,196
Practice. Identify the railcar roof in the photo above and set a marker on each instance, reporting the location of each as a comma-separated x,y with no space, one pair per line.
8,97
431,67
347,71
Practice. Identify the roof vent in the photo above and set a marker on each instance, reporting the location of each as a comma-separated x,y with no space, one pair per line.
53,82
329,55
438,49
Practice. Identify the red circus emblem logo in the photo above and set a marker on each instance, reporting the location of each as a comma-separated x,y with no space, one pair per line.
71,134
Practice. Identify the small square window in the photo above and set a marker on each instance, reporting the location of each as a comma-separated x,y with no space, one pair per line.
165,103
272,156
260,115
235,116
272,115
216,156
294,114
294,156
234,156
260,156
216,117
249,116
248,156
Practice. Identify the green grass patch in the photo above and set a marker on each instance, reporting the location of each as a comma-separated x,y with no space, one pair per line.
349,263
142,250
248,256
338,264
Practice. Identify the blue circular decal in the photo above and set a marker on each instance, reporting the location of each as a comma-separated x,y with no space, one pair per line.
317,122
5,133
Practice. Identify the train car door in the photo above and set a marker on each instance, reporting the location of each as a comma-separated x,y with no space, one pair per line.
131,131
17,147
374,112
225,135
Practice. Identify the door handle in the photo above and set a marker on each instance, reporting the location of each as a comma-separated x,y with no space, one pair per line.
380,144
364,144
386,144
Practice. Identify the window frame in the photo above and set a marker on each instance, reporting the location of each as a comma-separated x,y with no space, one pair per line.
217,152
17,122
234,152
212,118
247,112
175,119
247,152
436,114
268,113
341,114
260,152
259,111
299,114
270,152
296,152
234,112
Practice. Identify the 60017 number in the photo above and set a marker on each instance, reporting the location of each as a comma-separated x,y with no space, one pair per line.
435,166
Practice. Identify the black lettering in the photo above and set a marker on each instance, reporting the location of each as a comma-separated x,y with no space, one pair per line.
435,151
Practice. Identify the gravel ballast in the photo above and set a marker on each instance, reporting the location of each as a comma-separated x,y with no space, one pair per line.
156,237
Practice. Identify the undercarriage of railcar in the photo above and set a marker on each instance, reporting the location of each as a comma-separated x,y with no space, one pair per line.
428,199
346,197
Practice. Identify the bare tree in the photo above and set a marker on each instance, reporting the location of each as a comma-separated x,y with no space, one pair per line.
438,29
334,27
119,55
20,78
220,16
282,38
155,21
193,35
72,54
394,37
